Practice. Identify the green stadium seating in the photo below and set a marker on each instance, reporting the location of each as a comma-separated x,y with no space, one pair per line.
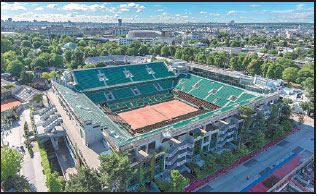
88,78
139,73
166,84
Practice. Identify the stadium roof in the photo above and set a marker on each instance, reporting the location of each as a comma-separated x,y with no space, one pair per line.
88,111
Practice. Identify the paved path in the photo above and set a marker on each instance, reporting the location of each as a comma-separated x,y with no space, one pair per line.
31,168
235,180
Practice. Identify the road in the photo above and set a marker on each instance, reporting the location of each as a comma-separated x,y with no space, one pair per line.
31,167
235,180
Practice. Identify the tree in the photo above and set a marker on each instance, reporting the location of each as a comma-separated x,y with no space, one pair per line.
264,50
46,75
246,114
5,45
285,62
234,44
290,74
26,77
11,162
164,51
3,64
37,44
52,74
100,64
226,158
19,183
287,101
78,57
54,182
143,50
178,54
278,132
14,68
86,180
115,169
254,55
82,43
256,68
242,150
258,140
274,71
306,106
309,83
56,60
265,66
38,63
68,55
178,181
26,43
10,55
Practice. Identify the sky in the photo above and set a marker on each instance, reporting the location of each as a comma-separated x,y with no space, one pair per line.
154,12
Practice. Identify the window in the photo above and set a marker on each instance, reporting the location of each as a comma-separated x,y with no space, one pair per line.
102,77
146,165
135,91
147,175
232,98
127,74
206,139
150,71
213,91
196,85
135,179
109,96
158,86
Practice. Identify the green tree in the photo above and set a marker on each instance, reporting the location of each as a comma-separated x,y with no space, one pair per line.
86,180
285,62
54,182
143,50
4,64
287,101
115,169
164,51
274,71
19,183
46,75
256,68
68,55
11,162
52,74
82,43
5,45
10,55
78,57
26,43
178,54
309,83
226,158
56,60
178,181
14,68
38,63
234,44
306,106
246,114
278,132
258,140
26,77
242,150
37,44
264,50
290,74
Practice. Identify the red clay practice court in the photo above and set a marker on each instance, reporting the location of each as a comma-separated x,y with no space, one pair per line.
152,114
9,103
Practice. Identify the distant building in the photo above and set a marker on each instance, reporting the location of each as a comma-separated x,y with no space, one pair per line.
39,83
70,45
120,22
10,19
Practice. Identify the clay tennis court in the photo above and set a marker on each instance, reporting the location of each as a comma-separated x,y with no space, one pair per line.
9,103
156,113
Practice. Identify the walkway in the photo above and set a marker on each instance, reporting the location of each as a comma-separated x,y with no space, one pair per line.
90,155
235,180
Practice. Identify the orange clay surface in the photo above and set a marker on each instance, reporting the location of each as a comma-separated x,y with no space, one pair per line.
9,103
152,114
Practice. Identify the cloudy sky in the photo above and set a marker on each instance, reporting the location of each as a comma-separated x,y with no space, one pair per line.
168,12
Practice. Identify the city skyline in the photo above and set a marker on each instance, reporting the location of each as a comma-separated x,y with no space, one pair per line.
160,12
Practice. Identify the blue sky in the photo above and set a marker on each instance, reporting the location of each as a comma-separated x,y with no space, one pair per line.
167,12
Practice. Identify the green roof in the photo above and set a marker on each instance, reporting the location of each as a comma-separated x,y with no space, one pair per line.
88,111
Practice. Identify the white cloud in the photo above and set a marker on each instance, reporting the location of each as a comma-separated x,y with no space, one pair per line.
139,10
203,12
164,13
83,7
255,5
160,10
300,6
12,6
177,15
214,14
52,6
185,16
234,12
124,10
39,9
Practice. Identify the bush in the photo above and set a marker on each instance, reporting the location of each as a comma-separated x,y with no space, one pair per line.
8,86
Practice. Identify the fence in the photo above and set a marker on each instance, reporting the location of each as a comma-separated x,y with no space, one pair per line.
192,187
